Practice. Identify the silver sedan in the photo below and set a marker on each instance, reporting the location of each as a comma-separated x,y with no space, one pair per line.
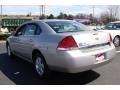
61,45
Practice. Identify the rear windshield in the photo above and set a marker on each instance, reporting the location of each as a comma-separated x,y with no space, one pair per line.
66,26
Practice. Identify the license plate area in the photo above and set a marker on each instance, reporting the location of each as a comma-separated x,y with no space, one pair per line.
100,57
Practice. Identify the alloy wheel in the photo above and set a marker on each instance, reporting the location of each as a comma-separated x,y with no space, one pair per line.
39,65
116,41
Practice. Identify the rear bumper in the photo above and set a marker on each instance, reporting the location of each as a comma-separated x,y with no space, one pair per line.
75,61
79,69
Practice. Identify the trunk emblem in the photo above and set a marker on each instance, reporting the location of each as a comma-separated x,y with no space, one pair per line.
96,38
95,33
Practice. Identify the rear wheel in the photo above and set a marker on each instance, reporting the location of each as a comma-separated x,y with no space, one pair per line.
40,66
116,41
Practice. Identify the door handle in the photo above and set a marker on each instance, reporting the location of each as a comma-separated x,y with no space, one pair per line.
30,40
16,39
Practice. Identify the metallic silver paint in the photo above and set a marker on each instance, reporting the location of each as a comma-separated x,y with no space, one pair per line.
71,61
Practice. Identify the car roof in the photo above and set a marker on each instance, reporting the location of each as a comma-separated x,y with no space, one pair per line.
53,20
115,22
49,20
46,20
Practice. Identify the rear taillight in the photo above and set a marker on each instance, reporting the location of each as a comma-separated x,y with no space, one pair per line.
68,43
110,37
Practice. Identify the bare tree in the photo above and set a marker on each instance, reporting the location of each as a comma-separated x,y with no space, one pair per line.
111,14
104,18
113,11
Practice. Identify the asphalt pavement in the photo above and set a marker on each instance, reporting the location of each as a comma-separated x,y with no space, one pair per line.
20,72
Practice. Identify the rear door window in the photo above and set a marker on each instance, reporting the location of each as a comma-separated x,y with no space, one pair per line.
30,30
20,31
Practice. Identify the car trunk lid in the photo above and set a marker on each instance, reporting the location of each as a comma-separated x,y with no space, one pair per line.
91,39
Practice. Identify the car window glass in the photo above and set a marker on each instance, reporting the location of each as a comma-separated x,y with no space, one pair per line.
67,26
30,30
38,30
109,26
20,31
117,26
112,26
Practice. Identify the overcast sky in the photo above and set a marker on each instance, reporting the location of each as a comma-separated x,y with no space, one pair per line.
55,10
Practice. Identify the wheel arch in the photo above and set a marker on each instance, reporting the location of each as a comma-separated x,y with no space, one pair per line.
116,36
36,51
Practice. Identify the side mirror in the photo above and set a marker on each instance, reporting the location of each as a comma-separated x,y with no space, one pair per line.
103,28
13,33
94,29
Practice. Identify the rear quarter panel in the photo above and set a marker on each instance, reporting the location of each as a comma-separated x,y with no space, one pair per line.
47,44
112,32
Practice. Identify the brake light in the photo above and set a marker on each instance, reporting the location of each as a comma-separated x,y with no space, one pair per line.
110,37
68,43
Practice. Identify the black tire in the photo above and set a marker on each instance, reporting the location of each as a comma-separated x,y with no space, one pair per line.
41,66
9,52
116,41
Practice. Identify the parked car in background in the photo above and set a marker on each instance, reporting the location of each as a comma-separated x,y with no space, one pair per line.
61,45
83,21
114,29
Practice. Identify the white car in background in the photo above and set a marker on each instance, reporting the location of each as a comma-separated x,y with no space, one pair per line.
114,29
4,30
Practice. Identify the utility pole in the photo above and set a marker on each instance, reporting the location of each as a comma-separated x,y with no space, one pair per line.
42,11
1,11
93,12
1,18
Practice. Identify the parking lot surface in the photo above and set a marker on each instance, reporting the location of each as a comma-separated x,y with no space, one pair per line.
18,71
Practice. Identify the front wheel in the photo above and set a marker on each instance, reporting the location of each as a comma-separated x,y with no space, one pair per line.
40,66
116,41
9,52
